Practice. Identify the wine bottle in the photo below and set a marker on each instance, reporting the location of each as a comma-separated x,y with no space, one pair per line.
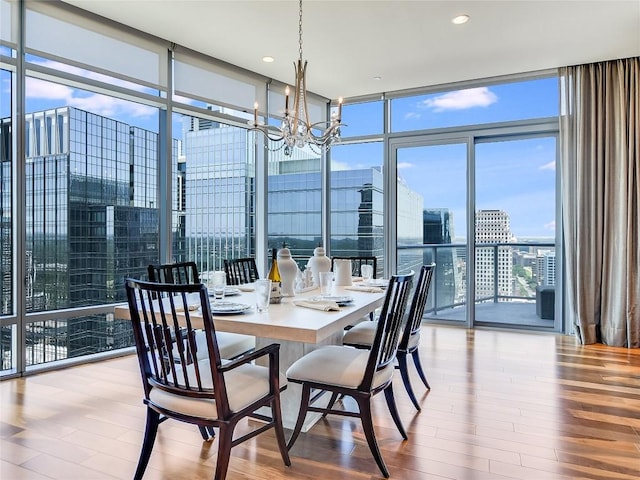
274,272
274,276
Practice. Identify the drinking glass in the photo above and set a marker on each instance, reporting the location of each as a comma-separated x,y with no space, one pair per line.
367,273
218,284
263,293
326,280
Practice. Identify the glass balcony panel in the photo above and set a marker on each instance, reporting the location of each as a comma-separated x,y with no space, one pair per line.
60,339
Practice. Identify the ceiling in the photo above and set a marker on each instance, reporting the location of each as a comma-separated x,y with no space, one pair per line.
406,44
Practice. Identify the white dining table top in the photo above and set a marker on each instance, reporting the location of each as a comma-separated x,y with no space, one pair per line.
286,321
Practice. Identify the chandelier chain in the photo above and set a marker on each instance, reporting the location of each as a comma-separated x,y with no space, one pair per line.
300,31
296,129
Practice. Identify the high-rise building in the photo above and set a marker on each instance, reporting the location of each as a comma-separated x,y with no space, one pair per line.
549,268
92,221
220,210
449,285
493,264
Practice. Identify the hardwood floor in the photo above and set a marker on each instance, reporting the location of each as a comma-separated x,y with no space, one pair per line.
502,405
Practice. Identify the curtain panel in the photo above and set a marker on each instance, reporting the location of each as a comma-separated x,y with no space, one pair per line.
600,171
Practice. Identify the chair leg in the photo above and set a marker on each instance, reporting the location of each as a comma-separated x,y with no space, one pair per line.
404,373
302,413
332,401
416,361
208,433
364,404
225,439
391,403
276,413
151,429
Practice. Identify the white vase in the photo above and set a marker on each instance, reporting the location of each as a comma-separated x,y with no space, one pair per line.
318,263
342,271
288,272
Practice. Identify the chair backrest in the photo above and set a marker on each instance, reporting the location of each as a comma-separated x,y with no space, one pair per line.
357,262
164,362
390,322
240,271
177,273
416,310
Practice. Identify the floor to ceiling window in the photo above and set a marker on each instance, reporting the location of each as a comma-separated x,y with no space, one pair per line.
436,177
142,154
213,204
497,178
515,231
356,179
8,330
91,199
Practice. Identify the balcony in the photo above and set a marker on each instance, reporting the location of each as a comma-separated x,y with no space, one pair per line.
514,282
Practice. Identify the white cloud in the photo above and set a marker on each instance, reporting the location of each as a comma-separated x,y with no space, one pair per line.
336,165
92,102
461,100
550,226
412,116
549,166
402,165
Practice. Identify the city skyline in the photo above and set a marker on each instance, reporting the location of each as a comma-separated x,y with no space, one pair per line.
529,196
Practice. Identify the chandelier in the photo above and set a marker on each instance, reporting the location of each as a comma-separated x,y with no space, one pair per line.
296,129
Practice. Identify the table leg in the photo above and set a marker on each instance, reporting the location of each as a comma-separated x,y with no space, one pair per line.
290,398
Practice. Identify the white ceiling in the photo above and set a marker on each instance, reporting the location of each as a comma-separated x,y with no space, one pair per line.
408,44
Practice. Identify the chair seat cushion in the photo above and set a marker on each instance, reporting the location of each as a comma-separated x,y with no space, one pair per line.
230,345
363,334
336,365
245,385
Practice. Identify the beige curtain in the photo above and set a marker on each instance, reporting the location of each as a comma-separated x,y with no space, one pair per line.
600,142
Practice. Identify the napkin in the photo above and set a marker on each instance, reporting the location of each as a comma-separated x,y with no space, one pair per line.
362,288
246,288
191,307
323,305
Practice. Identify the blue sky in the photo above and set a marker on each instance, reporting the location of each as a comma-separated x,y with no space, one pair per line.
515,176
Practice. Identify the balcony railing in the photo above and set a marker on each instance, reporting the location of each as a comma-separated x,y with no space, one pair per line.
505,272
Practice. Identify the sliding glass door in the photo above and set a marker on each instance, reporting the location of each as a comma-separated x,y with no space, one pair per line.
515,231
432,221
483,209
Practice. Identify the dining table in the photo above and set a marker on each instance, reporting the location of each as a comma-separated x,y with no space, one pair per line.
298,329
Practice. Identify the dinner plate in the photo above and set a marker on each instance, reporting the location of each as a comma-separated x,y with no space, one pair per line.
341,300
382,283
222,308
228,291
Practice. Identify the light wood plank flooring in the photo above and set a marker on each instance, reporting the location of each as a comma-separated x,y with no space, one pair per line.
503,405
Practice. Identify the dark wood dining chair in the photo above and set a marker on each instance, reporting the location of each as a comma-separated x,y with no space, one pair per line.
240,271
357,373
231,345
357,262
177,273
363,334
207,392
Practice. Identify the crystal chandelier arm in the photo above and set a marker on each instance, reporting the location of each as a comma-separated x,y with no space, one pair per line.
297,129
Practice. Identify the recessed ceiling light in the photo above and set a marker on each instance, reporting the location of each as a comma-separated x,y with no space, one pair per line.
377,77
460,19
268,59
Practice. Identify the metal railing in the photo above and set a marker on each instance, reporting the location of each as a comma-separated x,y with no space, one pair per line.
448,288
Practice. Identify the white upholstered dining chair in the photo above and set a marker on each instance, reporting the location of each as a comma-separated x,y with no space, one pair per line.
360,374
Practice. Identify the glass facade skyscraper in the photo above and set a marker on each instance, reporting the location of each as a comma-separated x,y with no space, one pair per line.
92,221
